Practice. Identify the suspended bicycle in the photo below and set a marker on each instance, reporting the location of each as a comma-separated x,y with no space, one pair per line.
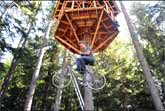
63,77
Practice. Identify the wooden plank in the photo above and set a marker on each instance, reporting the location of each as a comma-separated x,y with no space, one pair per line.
74,31
99,33
85,24
108,38
84,9
60,29
97,28
69,45
78,17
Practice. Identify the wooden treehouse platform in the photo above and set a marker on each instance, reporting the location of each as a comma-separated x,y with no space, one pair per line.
91,21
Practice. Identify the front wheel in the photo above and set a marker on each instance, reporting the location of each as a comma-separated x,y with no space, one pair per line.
61,79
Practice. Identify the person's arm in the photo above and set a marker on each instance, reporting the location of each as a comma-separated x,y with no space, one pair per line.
86,53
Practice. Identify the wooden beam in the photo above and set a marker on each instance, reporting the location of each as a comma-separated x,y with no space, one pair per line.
105,27
85,24
74,31
60,29
65,31
97,28
64,22
71,42
99,33
111,17
108,38
84,9
69,45
83,4
105,19
110,26
94,2
62,10
79,4
72,4
55,9
78,17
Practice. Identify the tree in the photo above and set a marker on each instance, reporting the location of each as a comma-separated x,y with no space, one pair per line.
148,76
31,91
60,90
16,57
153,40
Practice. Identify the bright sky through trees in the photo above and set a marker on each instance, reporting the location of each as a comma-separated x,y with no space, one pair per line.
124,34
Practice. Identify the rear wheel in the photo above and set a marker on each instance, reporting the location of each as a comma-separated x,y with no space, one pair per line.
96,82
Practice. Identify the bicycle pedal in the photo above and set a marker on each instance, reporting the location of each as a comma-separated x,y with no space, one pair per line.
80,79
83,84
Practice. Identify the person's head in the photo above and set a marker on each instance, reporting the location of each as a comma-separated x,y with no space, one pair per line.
82,45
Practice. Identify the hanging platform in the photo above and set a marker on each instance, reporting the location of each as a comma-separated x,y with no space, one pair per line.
91,21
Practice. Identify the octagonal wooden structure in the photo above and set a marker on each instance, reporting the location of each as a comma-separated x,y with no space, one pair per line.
91,21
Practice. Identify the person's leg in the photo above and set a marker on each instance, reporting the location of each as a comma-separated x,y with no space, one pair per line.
80,65
88,60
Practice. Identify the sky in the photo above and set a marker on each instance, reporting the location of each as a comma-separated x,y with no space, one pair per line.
124,34
120,18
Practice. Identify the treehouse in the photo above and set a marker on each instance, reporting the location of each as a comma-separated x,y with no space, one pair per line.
91,21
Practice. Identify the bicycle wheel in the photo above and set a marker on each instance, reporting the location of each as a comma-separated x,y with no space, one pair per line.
96,82
61,79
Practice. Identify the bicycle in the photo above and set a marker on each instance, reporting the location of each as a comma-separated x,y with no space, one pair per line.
63,77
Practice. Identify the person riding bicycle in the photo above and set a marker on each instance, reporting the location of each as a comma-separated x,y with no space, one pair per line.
85,58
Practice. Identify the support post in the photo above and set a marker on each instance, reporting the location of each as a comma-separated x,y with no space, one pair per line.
58,98
88,95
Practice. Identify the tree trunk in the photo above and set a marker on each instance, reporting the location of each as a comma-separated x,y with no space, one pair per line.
30,93
60,90
153,90
13,66
88,95
46,90
15,59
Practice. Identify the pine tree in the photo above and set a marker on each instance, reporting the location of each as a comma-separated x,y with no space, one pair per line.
147,73
31,91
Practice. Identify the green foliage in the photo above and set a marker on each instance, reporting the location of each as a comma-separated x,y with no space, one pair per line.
153,38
